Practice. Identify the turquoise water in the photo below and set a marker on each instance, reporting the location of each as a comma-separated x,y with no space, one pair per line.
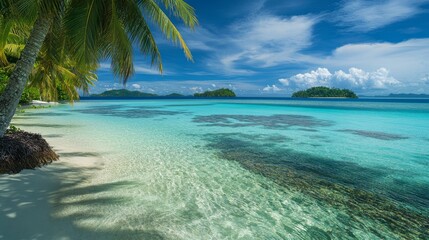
241,169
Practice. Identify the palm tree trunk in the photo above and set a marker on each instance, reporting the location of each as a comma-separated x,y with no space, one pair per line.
9,99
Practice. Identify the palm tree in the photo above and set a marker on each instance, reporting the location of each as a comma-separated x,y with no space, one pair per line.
51,76
81,32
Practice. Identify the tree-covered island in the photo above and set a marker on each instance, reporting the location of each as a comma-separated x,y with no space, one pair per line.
324,92
223,92
123,93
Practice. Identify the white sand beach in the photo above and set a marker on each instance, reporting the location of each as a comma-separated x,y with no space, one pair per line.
30,200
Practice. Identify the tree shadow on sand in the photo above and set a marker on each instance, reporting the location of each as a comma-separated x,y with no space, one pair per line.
53,203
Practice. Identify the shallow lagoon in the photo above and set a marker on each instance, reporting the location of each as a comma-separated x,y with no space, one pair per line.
230,169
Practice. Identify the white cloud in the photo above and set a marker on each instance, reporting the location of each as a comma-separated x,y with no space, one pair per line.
200,39
271,40
425,79
272,88
355,78
259,41
146,70
319,77
196,89
406,60
365,15
138,68
104,66
136,86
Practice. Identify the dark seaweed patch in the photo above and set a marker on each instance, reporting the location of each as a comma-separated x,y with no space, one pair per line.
127,112
278,121
346,186
240,148
189,105
267,138
308,129
376,135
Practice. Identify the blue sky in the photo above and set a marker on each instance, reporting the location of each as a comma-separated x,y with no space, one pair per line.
275,47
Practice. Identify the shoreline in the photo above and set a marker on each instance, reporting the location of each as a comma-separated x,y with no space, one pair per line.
31,199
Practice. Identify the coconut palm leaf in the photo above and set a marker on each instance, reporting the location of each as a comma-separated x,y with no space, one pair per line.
182,10
139,31
120,48
84,26
164,23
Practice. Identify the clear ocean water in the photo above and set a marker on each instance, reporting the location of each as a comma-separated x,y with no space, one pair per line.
239,169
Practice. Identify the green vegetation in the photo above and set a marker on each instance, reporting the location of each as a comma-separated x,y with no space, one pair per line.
123,93
29,94
174,95
324,92
13,129
223,92
408,95
61,42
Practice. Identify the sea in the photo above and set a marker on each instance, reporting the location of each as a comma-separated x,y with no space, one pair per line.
239,168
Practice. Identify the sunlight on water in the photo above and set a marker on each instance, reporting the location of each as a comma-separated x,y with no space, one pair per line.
241,169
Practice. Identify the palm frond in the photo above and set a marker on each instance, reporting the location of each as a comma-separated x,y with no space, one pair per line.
5,27
24,10
182,10
13,50
139,31
83,23
119,46
164,23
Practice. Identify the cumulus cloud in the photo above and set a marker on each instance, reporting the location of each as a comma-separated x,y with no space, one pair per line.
355,78
103,66
364,15
406,60
136,86
196,89
425,79
272,88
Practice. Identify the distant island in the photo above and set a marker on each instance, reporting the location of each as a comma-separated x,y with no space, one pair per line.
124,93
223,92
398,95
408,95
175,95
324,92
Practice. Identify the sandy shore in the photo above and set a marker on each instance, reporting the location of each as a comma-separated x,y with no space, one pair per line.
29,200
43,103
